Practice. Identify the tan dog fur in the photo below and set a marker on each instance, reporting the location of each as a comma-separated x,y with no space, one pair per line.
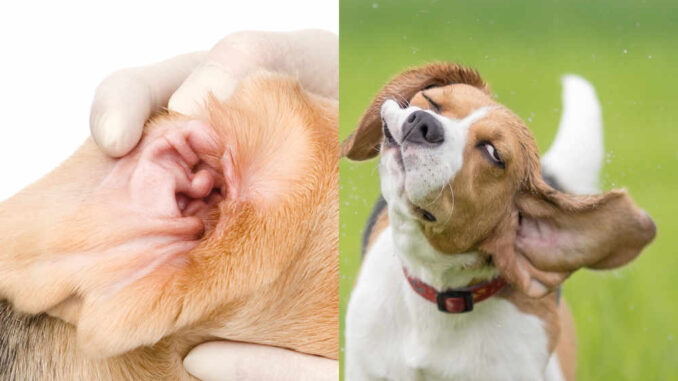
259,265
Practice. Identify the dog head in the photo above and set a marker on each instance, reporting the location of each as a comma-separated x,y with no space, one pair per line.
463,171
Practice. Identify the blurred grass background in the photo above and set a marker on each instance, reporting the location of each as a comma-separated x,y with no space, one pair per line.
627,320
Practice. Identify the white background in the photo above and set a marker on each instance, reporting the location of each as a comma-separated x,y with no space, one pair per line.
53,54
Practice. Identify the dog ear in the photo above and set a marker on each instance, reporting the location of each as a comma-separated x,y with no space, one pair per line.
185,282
551,234
134,235
364,143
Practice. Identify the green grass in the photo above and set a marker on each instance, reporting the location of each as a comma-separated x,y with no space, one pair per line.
627,319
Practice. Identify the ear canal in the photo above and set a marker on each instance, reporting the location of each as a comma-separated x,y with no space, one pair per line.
363,144
558,233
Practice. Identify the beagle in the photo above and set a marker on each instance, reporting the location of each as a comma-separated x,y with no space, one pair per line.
466,253
217,226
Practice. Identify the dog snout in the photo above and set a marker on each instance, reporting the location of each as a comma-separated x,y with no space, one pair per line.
422,128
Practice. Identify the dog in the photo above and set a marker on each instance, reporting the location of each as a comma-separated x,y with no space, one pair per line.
222,225
465,254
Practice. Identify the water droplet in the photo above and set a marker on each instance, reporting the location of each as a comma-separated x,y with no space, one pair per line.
375,5
625,51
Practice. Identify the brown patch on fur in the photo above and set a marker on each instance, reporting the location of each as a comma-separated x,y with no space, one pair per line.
265,270
379,226
566,350
480,193
363,144
558,325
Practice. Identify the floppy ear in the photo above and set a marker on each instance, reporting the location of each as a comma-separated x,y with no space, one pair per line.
551,234
364,143
136,223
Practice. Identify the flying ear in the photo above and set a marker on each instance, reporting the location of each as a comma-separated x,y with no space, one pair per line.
551,234
364,143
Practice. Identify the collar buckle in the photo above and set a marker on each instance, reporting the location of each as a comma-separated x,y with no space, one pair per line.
455,301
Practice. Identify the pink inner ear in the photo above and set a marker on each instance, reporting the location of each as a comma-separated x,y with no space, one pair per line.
537,236
538,241
166,177
545,243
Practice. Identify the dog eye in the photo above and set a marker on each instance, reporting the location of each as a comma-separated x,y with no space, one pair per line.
491,153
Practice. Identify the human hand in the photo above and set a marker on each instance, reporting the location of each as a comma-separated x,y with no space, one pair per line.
126,99
227,360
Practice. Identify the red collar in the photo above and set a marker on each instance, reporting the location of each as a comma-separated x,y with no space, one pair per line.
459,299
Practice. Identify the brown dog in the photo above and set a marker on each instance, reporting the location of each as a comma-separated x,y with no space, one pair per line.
223,226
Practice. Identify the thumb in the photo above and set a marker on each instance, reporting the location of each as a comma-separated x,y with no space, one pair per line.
119,111
125,100
227,360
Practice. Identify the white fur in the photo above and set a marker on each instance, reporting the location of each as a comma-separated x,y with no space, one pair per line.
576,155
553,370
392,333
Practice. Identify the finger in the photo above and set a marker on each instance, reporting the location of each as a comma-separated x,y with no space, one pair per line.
228,62
209,78
126,99
311,56
224,360
314,59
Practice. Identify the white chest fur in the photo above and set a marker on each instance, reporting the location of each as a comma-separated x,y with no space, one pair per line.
392,333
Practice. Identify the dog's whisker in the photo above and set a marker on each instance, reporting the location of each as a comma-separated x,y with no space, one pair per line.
401,100
442,189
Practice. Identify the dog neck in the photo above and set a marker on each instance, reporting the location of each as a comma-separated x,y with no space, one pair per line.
41,347
440,270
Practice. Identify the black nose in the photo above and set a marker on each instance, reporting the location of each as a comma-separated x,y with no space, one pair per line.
423,128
